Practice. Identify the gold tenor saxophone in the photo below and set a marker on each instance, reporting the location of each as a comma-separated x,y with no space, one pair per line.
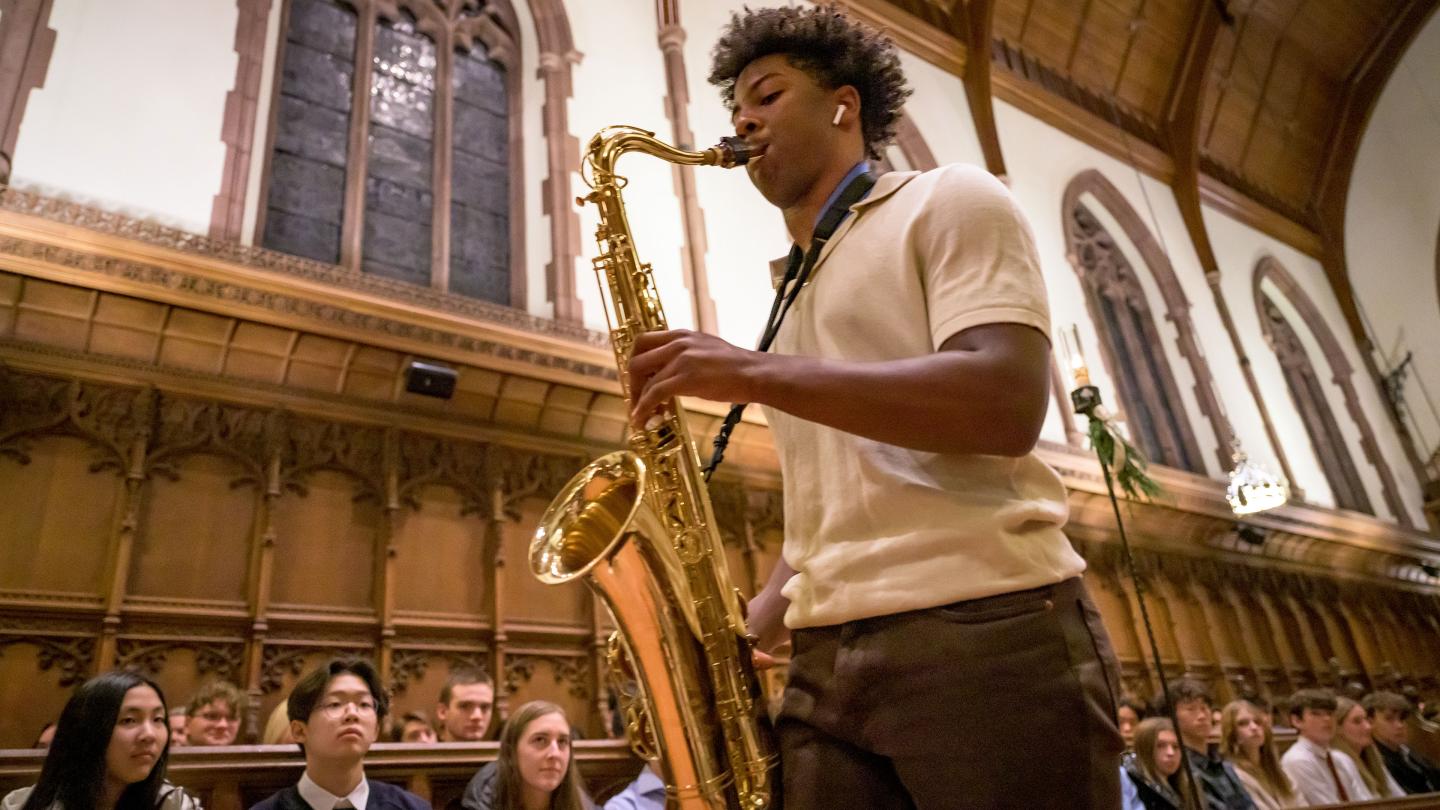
638,527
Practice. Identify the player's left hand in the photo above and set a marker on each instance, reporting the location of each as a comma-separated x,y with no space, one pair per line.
685,363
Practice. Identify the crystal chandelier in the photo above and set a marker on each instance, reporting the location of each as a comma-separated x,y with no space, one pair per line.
1252,489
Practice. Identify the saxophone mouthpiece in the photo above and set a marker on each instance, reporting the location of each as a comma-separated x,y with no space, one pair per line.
737,151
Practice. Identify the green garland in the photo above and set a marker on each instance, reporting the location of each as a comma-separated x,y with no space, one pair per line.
1130,468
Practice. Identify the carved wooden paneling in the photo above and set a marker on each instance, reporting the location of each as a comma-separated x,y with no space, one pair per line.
57,543
325,541
37,673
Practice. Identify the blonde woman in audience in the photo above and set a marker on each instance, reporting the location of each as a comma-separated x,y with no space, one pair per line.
1154,768
1246,740
110,752
534,769
1352,735
277,728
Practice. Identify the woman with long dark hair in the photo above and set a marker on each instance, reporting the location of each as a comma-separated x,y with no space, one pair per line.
534,769
110,752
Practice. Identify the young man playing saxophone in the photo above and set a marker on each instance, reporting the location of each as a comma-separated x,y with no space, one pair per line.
943,643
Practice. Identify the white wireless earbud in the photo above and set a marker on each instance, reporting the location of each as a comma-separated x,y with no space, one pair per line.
839,113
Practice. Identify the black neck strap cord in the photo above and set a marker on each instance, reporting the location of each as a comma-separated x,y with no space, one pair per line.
797,275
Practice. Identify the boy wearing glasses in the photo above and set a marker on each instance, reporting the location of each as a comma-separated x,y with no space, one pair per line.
335,715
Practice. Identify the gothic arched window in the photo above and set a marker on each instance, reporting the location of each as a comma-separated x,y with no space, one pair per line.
1308,394
1130,339
1152,405
414,184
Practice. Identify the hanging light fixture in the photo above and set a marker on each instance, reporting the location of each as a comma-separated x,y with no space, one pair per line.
1252,488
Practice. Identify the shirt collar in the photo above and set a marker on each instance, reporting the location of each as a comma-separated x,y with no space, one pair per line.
1314,748
321,799
855,171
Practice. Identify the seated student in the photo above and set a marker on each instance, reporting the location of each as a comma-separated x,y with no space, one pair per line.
1321,775
1388,713
1195,715
110,751
1247,741
466,701
178,724
647,792
1153,769
1352,735
277,728
214,714
1128,715
335,714
414,727
534,770
46,735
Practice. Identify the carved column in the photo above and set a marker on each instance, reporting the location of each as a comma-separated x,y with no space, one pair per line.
1270,671
262,564
127,524
1286,642
501,639
1367,646
1230,656
1286,599
385,548
1196,647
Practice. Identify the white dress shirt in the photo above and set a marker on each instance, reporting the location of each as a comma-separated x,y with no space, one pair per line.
321,799
1305,764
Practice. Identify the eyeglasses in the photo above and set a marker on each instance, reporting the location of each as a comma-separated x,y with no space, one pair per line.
334,709
217,717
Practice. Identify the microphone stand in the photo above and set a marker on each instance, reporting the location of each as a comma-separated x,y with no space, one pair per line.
1131,476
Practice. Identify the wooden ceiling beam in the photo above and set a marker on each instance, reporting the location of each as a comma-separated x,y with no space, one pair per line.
1362,91
1180,129
978,17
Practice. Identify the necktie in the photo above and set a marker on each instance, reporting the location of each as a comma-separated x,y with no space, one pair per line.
1334,774
344,804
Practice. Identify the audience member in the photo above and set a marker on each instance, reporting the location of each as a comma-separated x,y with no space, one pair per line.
1216,777
214,714
1153,769
1388,713
335,715
1247,741
1321,775
178,727
466,700
646,792
1352,735
110,751
1127,716
46,735
534,767
277,728
414,727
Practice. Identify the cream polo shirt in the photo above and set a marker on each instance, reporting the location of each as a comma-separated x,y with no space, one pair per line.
873,529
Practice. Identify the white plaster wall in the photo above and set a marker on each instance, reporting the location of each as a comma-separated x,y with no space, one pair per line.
131,111
742,230
1392,219
1041,161
1238,249
622,81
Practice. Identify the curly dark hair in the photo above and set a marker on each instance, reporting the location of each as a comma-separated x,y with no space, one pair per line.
835,50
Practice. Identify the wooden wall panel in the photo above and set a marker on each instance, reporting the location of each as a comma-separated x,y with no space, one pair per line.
526,598
325,540
558,679
36,690
57,541
195,536
440,556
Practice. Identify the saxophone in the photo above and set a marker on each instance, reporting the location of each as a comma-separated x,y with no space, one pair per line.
638,527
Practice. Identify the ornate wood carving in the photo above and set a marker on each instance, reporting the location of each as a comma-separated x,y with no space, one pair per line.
70,656
523,474
148,656
570,669
256,258
109,418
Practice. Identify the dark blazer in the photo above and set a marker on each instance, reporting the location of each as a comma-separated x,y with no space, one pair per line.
1414,773
383,796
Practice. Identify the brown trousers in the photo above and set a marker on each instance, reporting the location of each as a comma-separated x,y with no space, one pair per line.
1006,701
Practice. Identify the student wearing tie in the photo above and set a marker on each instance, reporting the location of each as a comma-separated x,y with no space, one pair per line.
335,715
1321,774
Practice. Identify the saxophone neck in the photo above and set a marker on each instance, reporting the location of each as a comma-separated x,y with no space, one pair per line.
609,144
